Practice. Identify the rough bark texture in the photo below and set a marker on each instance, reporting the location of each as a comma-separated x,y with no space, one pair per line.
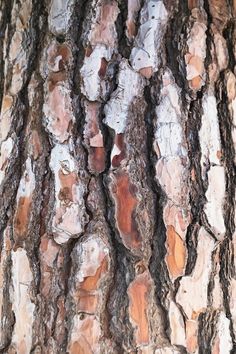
117,176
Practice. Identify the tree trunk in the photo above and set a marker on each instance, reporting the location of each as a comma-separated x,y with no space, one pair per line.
117,176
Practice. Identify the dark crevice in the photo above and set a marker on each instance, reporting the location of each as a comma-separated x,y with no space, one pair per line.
228,34
123,48
157,265
197,188
75,35
228,151
207,331
227,269
5,8
123,272
176,30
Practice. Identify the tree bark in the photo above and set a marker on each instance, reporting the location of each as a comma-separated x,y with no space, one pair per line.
117,176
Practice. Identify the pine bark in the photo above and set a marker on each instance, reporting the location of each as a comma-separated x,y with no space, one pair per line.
117,176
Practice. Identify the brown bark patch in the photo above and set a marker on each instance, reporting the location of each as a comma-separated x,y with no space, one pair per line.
21,221
176,253
103,68
131,29
91,283
147,72
138,306
119,142
126,203
6,103
97,159
67,181
87,302
36,144
191,336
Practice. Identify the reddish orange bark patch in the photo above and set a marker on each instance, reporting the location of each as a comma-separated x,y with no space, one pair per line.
67,182
176,253
91,283
147,72
191,336
87,302
55,78
216,346
103,31
94,138
21,220
119,142
193,174
103,68
66,54
219,154
131,29
87,296
126,203
88,333
36,144
61,117
6,103
138,306
196,83
60,53
49,252
80,347
192,4
97,159
88,51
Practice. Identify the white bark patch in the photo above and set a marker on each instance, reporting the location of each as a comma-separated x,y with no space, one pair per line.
170,129
172,171
215,198
196,53
209,137
97,140
58,112
85,334
91,84
3,277
220,49
171,175
27,182
116,110
92,252
149,39
224,340
70,214
6,150
192,293
59,16
5,117
232,303
115,151
165,350
234,125
103,29
209,134
19,52
133,10
21,302
231,92
171,168
177,325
